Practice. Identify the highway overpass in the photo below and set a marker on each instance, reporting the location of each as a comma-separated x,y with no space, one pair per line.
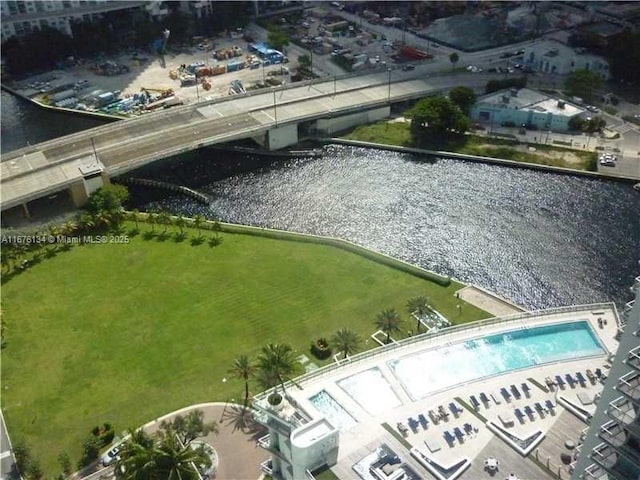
81,162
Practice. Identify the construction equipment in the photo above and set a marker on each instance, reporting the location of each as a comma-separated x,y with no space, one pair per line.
163,92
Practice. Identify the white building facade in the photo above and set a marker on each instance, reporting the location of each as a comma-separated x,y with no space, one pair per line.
524,107
21,17
553,57
611,445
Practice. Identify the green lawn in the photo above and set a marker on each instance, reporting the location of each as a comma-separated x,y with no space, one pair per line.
400,134
126,333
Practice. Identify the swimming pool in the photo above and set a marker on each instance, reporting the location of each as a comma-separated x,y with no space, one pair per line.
429,371
332,410
371,390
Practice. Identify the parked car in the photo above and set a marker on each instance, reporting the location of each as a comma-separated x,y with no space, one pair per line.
408,67
111,456
592,108
608,160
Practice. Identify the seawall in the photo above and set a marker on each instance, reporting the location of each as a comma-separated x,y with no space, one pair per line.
478,158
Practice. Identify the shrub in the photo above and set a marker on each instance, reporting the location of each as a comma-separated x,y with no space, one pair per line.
274,399
321,349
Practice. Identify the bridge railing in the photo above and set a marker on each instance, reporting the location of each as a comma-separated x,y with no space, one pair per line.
96,132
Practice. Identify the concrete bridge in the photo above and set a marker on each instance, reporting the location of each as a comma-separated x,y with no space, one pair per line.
82,162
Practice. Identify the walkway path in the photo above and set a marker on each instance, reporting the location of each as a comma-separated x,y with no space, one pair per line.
487,301
239,456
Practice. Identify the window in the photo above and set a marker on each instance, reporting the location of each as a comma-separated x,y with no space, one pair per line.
39,7
44,23
66,4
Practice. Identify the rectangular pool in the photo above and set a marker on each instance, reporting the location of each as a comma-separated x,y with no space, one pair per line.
430,371
332,410
371,390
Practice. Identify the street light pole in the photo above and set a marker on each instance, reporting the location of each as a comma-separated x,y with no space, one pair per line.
197,90
334,85
93,145
389,87
275,111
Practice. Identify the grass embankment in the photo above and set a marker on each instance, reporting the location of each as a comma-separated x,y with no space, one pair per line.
400,134
123,333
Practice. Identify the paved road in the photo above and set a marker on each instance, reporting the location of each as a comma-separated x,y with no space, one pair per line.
42,169
6,457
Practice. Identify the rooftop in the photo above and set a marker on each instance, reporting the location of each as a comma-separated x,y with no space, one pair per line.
526,99
517,417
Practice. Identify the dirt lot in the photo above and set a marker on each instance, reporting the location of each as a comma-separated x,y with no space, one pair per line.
152,74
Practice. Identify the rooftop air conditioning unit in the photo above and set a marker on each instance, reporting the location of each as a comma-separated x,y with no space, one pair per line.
561,104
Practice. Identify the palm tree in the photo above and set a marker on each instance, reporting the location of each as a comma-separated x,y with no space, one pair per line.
346,341
197,222
164,219
418,306
69,227
453,58
389,322
174,461
180,223
243,369
275,365
135,216
86,222
152,218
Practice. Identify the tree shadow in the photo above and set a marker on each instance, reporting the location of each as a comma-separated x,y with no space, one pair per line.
133,232
195,241
148,235
242,419
180,237
163,236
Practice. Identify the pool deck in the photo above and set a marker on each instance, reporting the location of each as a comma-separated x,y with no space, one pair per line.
558,425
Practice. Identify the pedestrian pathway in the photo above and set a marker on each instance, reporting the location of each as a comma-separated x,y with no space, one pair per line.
487,301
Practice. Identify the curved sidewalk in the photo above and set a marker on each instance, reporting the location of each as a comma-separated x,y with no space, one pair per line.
239,455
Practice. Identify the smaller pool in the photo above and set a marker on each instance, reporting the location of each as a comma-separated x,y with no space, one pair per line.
332,410
371,390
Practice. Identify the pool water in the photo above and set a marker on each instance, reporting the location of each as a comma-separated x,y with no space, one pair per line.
371,390
332,410
430,371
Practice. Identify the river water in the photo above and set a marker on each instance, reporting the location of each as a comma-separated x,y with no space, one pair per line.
538,239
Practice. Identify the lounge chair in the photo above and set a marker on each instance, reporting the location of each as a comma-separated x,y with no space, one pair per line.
570,380
559,381
539,407
401,428
443,413
468,428
581,379
549,404
515,392
434,418
474,402
496,398
525,388
505,394
455,409
548,381
598,373
591,376
458,433
528,410
519,415
484,399
448,437
413,424
423,421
